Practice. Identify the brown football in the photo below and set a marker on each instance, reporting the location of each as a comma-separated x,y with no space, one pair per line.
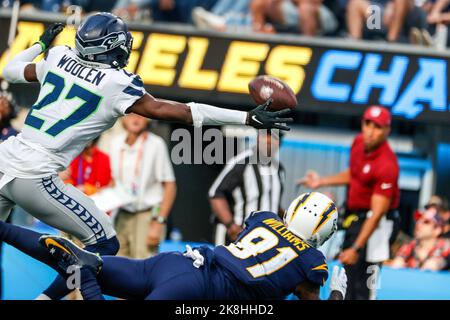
264,87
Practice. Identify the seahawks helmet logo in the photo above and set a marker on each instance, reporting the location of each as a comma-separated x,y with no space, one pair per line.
98,46
114,41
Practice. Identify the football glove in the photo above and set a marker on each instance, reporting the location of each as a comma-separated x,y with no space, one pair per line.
49,35
261,118
338,281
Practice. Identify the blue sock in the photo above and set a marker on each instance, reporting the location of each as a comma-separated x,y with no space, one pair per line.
58,288
26,241
90,289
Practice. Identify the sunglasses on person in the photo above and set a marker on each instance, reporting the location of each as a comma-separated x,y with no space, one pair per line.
425,221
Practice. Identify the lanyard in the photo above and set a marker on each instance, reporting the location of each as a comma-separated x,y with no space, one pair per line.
137,166
80,177
86,174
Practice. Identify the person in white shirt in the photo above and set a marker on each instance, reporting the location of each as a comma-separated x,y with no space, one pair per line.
142,166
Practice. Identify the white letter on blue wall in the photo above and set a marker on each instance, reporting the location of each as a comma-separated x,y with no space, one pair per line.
371,77
323,87
428,86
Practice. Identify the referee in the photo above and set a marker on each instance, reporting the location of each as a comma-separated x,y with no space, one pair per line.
247,183
371,220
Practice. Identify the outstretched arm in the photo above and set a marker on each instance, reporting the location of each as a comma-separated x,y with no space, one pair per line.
202,114
313,180
159,109
20,69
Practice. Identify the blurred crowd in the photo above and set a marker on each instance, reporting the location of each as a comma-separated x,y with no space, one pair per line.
420,22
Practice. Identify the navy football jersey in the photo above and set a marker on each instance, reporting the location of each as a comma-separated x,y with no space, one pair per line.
270,259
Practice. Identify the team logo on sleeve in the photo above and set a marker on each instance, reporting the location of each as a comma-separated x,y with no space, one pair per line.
366,169
385,186
321,267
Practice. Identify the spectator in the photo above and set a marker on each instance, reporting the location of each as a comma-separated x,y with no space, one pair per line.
162,10
442,207
310,17
437,202
60,5
438,16
28,4
224,15
92,6
44,5
396,20
141,164
54,5
427,251
246,185
445,215
131,9
90,171
7,113
439,12
373,197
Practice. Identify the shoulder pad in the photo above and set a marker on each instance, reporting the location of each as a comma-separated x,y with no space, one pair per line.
257,216
131,83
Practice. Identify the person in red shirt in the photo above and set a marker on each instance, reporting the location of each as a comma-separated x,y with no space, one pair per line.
372,199
90,171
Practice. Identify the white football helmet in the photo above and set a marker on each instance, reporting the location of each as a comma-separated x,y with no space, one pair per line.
312,217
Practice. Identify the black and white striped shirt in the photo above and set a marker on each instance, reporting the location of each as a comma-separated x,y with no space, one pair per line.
248,187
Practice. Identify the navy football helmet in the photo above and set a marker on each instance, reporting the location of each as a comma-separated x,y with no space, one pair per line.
104,38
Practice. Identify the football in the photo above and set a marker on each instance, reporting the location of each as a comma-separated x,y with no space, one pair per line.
264,87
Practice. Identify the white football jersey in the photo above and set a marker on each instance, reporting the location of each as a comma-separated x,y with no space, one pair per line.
76,103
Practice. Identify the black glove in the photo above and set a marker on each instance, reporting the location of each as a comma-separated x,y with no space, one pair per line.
49,35
261,118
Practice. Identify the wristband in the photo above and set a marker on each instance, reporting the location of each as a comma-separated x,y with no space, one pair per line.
43,46
356,248
204,114
229,224
160,219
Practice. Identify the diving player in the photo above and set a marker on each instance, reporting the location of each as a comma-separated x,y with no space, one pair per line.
270,259
84,90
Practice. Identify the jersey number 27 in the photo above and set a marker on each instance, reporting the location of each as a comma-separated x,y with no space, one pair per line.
90,105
